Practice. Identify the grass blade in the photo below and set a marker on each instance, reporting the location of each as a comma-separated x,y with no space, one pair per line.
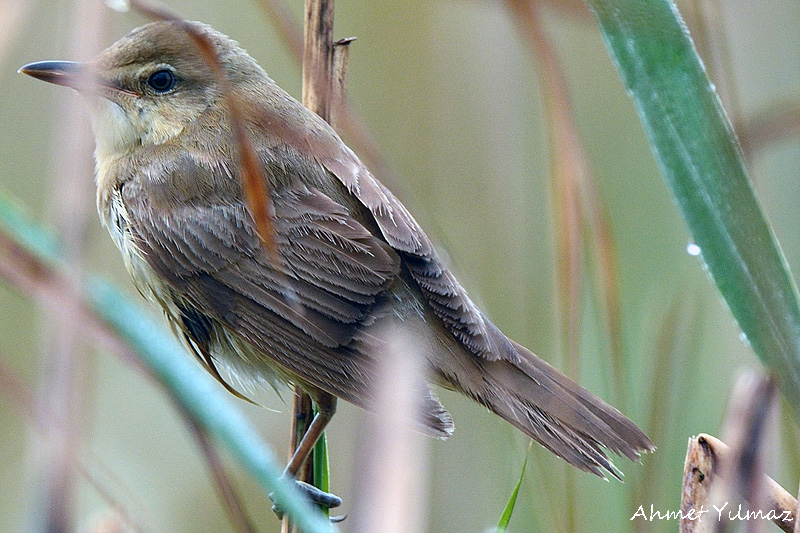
701,162
186,381
505,518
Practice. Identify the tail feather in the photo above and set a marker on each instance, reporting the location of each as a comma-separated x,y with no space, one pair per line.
549,407
436,421
623,437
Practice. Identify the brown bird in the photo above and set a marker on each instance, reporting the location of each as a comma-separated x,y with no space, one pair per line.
351,259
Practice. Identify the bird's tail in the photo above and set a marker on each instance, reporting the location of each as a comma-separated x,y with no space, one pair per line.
549,407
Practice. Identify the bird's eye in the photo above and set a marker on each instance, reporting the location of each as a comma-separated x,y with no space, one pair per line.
161,81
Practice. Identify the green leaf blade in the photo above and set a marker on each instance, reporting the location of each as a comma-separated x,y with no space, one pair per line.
702,164
505,518
322,471
187,383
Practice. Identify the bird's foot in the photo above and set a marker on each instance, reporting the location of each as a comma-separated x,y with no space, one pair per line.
317,496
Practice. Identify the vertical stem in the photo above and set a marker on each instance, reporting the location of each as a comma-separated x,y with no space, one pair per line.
318,57
317,96
341,58
302,414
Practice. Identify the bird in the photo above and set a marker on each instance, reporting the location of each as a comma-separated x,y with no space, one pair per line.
349,259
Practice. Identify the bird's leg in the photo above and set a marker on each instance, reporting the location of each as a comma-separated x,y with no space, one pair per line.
326,407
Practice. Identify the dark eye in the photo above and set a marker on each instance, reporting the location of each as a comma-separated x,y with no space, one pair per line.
161,81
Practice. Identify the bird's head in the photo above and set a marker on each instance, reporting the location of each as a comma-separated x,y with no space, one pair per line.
150,85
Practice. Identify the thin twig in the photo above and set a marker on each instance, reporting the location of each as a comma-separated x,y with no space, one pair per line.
66,365
567,163
302,415
318,57
698,475
341,59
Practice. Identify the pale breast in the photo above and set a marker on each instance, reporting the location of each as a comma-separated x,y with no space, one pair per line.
115,218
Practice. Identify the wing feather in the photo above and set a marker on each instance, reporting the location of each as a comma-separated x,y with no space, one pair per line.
443,292
332,269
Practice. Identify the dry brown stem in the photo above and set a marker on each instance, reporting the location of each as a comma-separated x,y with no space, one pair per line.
715,473
702,464
318,97
347,121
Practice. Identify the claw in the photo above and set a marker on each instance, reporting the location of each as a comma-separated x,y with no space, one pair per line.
318,496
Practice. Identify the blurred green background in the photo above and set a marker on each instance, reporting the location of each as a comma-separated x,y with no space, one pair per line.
451,94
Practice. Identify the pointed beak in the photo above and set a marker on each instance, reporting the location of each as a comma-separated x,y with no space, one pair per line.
67,73
75,75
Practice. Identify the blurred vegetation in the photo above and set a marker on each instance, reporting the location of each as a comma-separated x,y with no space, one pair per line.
453,96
